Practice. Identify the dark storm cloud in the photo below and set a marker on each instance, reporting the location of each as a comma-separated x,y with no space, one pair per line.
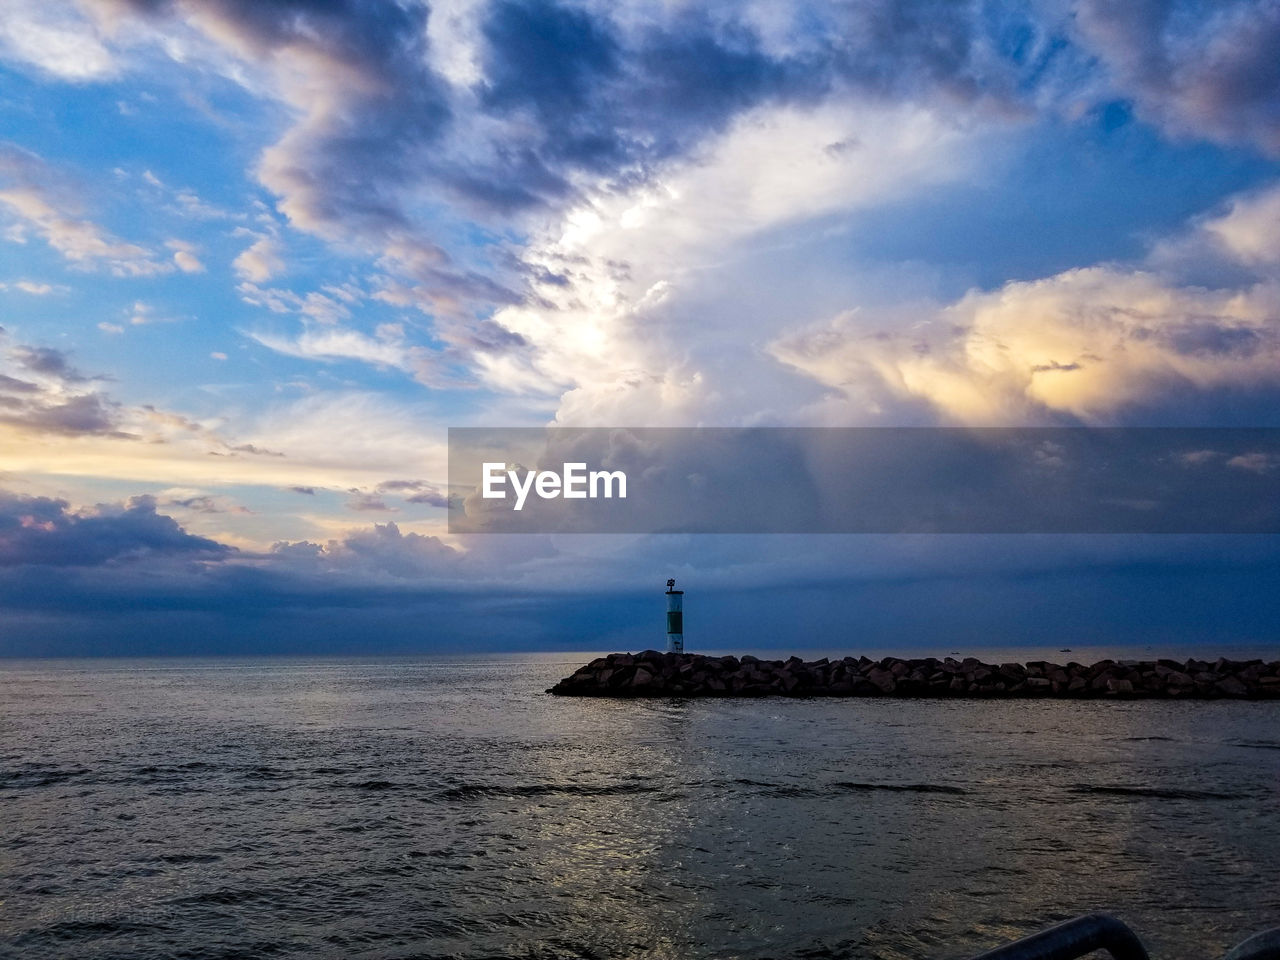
42,531
614,103
1202,69
45,532
129,581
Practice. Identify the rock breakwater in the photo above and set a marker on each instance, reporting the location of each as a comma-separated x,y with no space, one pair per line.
654,674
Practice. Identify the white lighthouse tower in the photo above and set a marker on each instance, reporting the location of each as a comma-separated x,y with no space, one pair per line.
675,618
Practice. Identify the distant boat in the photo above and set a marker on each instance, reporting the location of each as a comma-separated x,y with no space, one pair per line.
1065,650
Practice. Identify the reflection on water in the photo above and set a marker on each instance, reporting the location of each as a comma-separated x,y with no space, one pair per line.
450,808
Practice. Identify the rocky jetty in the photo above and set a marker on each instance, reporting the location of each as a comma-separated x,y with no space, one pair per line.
654,674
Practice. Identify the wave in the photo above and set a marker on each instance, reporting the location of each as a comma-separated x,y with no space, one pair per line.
478,791
1155,793
903,787
838,787
374,785
38,777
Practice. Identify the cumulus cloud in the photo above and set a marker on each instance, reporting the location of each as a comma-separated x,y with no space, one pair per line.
48,532
411,123
130,549
1093,345
380,550
624,328
637,144
1089,345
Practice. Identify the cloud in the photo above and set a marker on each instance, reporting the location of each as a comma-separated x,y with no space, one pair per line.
35,194
198,502
388,349
143,313
415,491
33,288
330,344
44,393
259,262
155,588
44,398
1088,344
368,502
1095,345
184,255
1200,70
72,416
326,308
411,123
628,326
1250,229
46,532
1253,462
620,150
54,38
380,550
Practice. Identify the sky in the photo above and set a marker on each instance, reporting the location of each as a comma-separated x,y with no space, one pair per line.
257,257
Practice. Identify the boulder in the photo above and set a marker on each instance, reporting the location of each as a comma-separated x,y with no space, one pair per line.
1231,687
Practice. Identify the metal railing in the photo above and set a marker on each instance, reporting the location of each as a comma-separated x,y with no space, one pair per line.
1097,931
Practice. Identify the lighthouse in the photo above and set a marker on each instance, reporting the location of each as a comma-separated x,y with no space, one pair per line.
675,618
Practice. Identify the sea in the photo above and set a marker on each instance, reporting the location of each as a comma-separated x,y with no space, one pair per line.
448,807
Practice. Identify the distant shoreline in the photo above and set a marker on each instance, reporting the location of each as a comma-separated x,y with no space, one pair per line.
654,674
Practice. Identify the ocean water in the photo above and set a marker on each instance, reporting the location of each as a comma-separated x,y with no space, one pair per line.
449,808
